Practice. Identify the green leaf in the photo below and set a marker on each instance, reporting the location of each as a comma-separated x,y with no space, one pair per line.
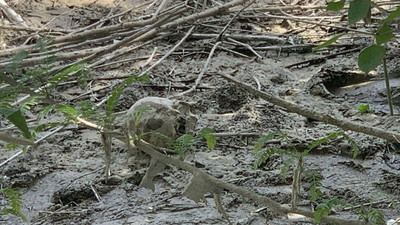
358,10
315,192
211,141
112,102
262,140
363,108
335,6
15,67
16,202
393,15
262,155
384,34
134,78
327,43
370,57
321,141
325,208
183,144
88,110
67,110
371,215
65,74
15,116
5,112
352,143
19,121
206,133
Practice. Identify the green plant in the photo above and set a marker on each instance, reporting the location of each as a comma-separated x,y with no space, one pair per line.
373,55
262,154
314,180
36,84
364,108
113,100
15,200
370,215
186,142
325,208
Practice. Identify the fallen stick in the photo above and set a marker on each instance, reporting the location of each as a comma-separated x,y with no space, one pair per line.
197,82
11,14
309,113
8,138
31,145
88,34
319,60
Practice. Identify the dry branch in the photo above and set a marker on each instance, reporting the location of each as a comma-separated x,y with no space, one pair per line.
11,14
309,113
8,138
197,82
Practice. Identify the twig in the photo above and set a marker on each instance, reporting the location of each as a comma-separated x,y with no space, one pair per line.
33,29
307,7
57,57
197,82
319,24
234,52
11,14
108,17
11,158
220,208
93,34
257,82
8,138
95,193
34,145
121,52
159,61
313,114
84,175
230,21
300,46
246,46
244,37
45,25
370,203
310,62
388,90
169,52
151,57
160,7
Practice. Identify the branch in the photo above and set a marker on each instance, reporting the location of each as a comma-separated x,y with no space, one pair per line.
8,138
309,113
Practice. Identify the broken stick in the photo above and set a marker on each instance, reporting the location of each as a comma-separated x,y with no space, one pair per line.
313,114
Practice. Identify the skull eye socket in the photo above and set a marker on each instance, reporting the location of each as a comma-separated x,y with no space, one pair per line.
154,124
180,126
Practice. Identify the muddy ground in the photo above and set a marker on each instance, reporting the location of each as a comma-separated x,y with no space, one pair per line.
57,179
